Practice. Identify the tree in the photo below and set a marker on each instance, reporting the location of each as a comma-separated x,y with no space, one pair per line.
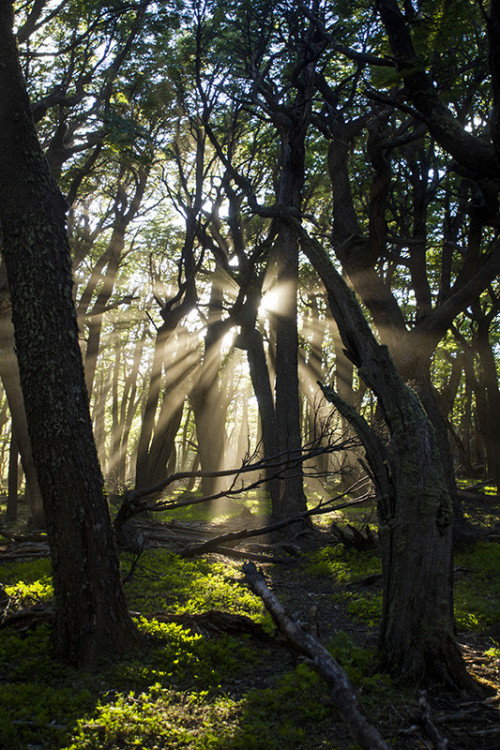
92,621
410,473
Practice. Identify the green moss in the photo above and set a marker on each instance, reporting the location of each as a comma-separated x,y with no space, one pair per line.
187,691
366,606
477,590
164,581
343,565
25,572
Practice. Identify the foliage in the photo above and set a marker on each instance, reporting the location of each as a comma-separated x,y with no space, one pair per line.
347,567
344,565
182,690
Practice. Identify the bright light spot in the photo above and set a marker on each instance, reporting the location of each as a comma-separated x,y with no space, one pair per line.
271,301
228,340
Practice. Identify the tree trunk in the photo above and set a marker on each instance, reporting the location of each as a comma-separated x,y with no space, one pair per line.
291,499
415,513
9,373
92,621
210,408
251,340
114,254
489,378
207,399
11,513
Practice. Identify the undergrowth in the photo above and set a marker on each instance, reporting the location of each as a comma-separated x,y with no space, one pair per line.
477,586
351,569
182,690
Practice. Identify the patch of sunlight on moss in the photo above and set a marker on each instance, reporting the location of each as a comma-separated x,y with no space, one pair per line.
36,591
165,581
252,500
178,656
494,651
27,571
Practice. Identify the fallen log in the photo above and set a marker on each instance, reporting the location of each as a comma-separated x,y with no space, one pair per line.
343,695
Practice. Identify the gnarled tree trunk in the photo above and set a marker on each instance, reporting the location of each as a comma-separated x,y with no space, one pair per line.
414,504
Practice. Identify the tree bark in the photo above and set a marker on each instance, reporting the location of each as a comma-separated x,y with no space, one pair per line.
416,635
11,513
489,378
92,621
290,499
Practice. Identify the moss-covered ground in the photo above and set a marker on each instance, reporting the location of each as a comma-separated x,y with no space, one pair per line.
230,692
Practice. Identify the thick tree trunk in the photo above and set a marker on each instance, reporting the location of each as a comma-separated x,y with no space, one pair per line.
291,499
92,620
415,512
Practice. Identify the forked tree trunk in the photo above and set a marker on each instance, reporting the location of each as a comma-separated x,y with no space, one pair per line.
415,507
92,621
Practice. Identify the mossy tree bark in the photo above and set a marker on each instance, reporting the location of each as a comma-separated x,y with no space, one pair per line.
92,620
414,504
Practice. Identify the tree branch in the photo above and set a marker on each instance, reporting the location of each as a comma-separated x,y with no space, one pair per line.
342,692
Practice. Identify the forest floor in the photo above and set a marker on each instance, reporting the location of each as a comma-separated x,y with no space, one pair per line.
208,680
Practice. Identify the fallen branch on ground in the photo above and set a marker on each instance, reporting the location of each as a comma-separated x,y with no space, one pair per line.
322,507
429,724
343,695
215,622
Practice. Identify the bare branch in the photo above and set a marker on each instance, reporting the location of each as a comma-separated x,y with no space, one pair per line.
322,507
343,694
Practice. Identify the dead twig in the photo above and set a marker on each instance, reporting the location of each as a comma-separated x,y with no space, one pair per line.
429,724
